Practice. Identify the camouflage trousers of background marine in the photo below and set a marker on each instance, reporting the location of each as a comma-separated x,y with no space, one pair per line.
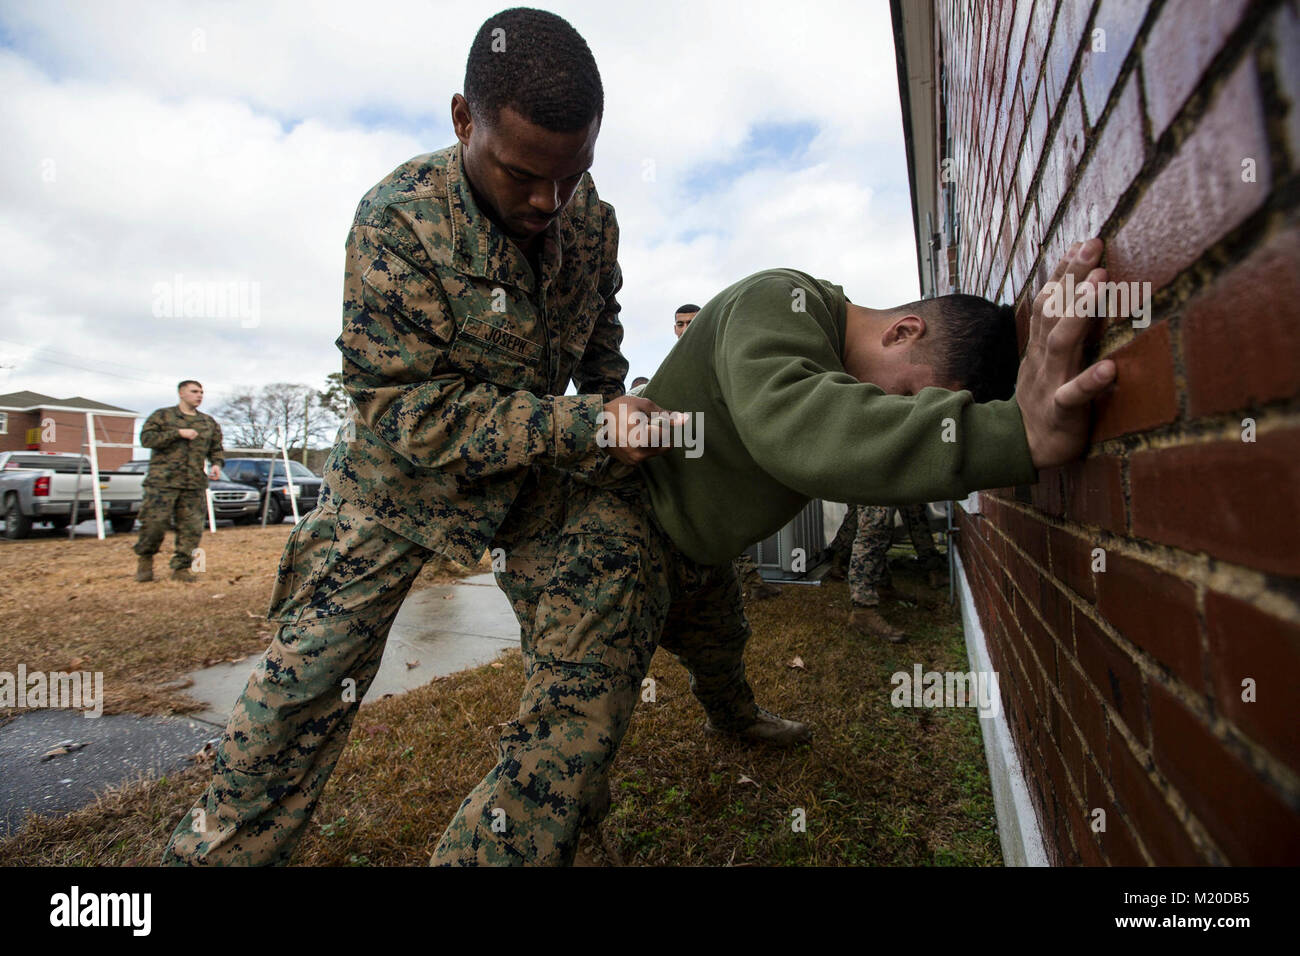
874,530
596,586
187,508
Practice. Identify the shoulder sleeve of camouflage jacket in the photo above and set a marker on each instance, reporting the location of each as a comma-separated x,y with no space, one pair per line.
821,432
603,368
397,332
216,453
157,432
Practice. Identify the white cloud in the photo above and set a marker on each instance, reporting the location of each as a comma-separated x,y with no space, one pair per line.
242,159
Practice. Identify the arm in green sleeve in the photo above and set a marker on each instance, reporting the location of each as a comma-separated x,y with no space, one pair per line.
819,431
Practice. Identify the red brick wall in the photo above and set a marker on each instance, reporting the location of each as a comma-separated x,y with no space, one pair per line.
1124,687
70,433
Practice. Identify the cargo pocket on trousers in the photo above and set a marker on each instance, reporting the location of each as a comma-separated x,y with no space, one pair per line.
307,554
586,613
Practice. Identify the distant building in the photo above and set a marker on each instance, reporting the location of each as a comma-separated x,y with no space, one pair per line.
35,422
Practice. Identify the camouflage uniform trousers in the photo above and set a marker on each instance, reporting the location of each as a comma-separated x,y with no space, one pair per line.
587,604
187,507
868,566
596,586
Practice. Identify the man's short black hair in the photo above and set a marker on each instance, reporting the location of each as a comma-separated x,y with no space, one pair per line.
538,65
188,381
975,343
687,308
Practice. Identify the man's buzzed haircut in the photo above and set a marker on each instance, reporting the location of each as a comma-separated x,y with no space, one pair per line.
188,381
538,65
686,308
975,343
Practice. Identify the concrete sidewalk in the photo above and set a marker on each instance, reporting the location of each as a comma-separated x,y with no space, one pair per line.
438,631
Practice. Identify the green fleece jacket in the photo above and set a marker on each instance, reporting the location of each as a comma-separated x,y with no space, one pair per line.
762,366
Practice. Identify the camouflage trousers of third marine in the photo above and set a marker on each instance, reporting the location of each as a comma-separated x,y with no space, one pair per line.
871,528
187,508
596,586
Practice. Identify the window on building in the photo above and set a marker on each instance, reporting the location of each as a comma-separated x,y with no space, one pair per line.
4,423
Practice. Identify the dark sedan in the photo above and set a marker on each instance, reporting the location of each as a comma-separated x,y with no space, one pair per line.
231,501
255,471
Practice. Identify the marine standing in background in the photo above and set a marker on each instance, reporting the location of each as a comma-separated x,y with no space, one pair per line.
682,318
869,578
175,489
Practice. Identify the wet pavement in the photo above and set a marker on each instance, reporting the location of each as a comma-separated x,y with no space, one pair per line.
438,631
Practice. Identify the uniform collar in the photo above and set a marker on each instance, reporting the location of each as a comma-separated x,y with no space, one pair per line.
484,250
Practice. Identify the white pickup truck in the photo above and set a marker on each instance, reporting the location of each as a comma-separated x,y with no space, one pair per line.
40,486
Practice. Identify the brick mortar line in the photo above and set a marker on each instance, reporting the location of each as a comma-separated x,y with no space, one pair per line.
1196,830
1241,44
1274,415
1089,754
1282,778
1201,571
1275,215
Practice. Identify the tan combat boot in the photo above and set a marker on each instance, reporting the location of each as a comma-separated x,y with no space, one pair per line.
144,568
867,622
769,729
183,575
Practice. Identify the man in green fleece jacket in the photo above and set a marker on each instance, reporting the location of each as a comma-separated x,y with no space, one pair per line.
803,395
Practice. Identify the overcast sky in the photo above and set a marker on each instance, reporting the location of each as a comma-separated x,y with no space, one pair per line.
229,142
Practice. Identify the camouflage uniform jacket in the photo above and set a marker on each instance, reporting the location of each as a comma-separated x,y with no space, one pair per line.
457,358
177,462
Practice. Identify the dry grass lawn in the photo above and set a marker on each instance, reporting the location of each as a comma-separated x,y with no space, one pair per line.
75,605
878,785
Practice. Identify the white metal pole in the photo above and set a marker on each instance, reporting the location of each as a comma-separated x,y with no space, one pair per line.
94,475
289,486
212,519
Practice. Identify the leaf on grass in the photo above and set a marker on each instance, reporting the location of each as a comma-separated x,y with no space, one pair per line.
66,747
498,665
76,662
797,662
744,779
372,729
204,753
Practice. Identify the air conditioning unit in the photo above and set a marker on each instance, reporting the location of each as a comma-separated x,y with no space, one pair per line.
805,534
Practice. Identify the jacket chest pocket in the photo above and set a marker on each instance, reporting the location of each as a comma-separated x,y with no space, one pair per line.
493,352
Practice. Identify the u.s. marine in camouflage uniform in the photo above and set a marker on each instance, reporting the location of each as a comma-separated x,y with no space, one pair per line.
468,309
869,577
175,489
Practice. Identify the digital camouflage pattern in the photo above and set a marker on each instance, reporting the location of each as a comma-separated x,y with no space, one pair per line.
457,358
186,508
339,585
177,462
868,565
176,484
594,583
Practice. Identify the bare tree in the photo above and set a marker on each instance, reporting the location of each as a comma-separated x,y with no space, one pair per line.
245,421
255,417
